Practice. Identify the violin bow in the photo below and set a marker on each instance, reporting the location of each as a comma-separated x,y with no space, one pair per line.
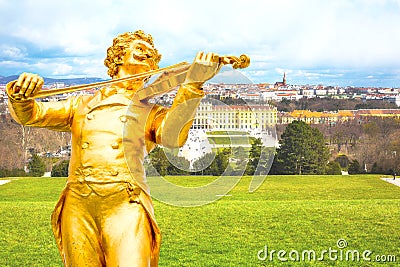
172,76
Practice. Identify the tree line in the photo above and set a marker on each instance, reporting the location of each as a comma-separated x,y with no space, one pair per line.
314,104
19,144
369,145
225,161
303,150
331,104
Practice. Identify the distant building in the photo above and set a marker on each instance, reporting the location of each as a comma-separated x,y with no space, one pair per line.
314,117
310,117
287,94
363,114
59,85
394,99
224,117
283,83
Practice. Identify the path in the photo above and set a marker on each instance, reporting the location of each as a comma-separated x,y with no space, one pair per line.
4,181
390,180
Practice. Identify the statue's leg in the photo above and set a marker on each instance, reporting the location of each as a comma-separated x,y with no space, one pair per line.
79,231
126,232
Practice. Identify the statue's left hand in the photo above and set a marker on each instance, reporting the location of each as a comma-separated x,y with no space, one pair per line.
204,67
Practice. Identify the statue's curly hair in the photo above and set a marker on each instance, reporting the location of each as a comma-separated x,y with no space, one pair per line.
116,52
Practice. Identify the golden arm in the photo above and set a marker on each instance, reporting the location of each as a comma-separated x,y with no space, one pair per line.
52,115
171,126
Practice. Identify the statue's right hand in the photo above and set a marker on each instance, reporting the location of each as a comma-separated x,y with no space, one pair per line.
204,67
27,85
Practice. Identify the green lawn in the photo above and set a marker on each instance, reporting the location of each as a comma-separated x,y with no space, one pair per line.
290,213
230,138
228,133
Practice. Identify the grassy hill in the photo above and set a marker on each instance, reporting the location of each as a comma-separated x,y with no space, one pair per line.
232,138
290,213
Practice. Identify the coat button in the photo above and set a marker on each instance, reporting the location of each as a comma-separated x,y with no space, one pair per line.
85,145
114,172
115,145
123,118
137,191
89,116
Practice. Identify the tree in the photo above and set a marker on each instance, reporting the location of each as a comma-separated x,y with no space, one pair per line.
18,143
302,150
202,163
12,173
354,167
159,161
254,156
343,161
36,166
177,165
219,162
333,168
166,163
60,169
260,158
376,169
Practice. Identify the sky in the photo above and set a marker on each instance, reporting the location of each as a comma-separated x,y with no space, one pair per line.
340,42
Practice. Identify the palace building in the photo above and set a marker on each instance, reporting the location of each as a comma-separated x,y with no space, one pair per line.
224,117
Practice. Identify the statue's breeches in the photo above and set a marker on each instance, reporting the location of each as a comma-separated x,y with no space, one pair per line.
105,227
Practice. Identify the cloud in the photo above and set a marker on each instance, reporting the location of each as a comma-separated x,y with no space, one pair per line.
11,52
62,69
288,34
10,64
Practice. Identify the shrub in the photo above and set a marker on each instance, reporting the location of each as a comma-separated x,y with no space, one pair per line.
36,166
333,168
60,169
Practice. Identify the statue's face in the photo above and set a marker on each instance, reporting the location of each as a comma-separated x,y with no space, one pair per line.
138,59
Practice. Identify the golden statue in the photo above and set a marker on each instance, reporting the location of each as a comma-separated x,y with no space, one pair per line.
105,214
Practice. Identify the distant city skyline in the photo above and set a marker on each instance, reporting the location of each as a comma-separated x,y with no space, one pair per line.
343,42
